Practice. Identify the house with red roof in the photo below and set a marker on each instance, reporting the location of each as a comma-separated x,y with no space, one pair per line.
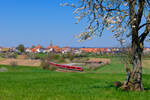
38,49
146,50
97,50
28,50
54,49
66,49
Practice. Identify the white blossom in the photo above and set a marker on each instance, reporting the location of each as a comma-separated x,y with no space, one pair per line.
118,19
65,4
82,8
110,27
123,41
76,11
134,19
133,26
125,4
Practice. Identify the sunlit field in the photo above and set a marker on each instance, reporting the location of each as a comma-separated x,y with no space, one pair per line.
32,83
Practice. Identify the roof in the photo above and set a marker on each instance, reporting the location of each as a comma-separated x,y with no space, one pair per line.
38,46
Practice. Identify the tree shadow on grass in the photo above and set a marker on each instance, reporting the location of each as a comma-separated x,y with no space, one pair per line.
102,86
147,89
108,86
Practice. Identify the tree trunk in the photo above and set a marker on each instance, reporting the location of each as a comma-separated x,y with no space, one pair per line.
136,75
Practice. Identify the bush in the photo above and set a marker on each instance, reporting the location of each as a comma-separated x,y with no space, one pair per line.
56,57
71,58
10,55
45,64
21,48
61,60
52,68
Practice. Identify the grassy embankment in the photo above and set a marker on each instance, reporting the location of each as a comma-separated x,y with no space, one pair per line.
28,83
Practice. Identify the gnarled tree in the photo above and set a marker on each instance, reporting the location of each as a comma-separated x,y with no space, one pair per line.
126,19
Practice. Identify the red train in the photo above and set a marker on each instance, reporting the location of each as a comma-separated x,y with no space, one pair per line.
66,66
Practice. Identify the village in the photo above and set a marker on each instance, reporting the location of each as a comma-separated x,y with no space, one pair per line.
66,58
66,49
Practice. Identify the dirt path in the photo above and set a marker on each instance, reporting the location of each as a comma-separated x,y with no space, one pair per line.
24,62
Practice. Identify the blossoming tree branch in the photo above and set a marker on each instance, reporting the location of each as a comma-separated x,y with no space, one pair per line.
125,19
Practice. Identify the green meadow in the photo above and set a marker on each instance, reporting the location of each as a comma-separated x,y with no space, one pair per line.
33,83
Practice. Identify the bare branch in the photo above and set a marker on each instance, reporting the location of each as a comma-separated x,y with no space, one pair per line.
140,11
142,25
147,29
148,2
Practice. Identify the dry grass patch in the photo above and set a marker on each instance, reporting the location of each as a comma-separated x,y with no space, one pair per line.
23,62
97,60
95,63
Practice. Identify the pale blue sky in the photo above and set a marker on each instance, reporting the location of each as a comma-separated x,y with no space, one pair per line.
32,22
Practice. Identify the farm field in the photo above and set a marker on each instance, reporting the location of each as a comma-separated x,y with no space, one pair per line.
22,62
33,83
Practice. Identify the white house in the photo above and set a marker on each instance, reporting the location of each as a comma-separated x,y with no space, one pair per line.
39,50
28,50
77,51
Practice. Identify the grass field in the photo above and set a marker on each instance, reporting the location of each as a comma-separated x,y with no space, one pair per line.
28,83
